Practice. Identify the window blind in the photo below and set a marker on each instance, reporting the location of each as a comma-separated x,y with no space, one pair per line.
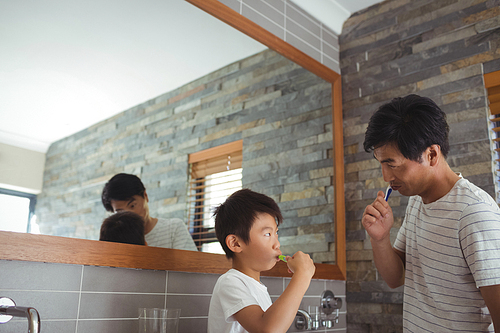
214,175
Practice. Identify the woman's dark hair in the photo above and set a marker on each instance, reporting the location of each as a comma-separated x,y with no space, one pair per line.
123,227
238,213
121,186
413,123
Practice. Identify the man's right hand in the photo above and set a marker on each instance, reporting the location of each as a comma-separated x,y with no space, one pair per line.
378,219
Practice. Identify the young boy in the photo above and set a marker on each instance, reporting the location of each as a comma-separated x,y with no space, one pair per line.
246,225
123,227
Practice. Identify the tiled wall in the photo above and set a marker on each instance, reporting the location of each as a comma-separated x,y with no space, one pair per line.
90,299
292,24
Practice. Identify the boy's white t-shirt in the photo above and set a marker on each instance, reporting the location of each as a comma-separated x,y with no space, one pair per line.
234,291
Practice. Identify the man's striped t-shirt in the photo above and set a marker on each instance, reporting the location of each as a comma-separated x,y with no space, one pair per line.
452,248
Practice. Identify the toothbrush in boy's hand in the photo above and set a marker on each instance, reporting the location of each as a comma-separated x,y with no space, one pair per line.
282,257
388,192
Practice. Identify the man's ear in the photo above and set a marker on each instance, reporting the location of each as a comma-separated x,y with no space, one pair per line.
434,153
233,243
146,196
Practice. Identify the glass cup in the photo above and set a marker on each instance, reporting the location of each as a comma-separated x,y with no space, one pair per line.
156,320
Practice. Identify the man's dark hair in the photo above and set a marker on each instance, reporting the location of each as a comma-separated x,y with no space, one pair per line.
413,123
123,227
238,213
121,186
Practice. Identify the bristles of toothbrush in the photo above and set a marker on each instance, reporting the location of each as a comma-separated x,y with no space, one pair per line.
282,257
388,192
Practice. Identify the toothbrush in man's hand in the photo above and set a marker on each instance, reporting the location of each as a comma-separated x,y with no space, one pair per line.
282,257
388,192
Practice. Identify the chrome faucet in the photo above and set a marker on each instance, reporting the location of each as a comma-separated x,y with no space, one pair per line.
319,316
8,309
303,320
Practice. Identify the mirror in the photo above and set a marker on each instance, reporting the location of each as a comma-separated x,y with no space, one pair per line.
175,203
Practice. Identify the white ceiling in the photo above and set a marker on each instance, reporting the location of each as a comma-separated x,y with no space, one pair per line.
68,64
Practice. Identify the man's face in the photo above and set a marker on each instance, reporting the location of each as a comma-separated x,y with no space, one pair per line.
136,204
262,251
404,175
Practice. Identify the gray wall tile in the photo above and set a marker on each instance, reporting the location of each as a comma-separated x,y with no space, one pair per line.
107,305
304,34
191,283
50,305
193,325
271,11
108,326
111,279
17,326
233,4
191,305
303,46
274,27
48,276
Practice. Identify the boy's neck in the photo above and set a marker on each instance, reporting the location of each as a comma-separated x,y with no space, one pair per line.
239,265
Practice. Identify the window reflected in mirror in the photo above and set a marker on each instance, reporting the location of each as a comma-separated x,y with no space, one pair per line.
17,212
215,174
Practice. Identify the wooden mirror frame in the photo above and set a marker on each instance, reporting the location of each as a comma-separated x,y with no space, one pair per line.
43,248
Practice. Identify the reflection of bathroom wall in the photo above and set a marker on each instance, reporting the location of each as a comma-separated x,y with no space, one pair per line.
438,49
21,169
91,299
281,111
290,23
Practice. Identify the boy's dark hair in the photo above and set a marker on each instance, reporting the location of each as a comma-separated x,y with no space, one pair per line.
121,186
413,123
123,227
238,213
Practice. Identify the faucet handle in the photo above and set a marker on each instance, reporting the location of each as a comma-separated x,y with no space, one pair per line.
8,309
5,302
303,320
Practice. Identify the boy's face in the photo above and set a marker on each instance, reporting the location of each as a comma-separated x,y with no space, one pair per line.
262,251
136,204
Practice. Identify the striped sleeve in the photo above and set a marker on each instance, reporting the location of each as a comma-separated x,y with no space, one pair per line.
479,235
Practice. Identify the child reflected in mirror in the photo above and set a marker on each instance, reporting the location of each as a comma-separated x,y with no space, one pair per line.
123,227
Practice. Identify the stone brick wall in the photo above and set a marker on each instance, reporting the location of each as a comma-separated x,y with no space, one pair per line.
281,111
439,49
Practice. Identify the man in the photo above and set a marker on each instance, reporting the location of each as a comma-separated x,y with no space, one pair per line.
447,251
126,192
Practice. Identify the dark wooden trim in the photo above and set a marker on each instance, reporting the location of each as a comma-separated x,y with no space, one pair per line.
64,250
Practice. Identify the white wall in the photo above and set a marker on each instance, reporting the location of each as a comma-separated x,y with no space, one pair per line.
21,169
